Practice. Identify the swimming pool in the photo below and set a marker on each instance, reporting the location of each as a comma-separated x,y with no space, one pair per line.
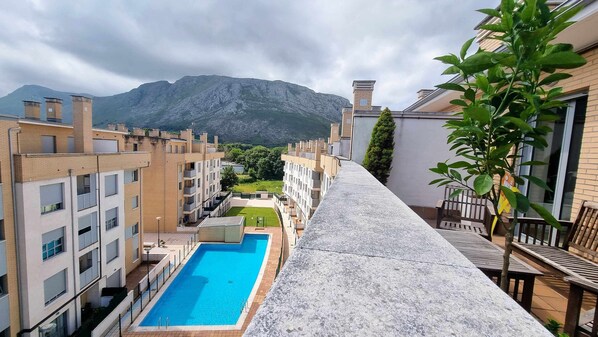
213,286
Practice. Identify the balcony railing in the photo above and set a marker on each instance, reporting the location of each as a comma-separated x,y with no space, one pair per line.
2,257
189,207
4,310
373,267
86,200
89,238
190,190
190,173
89,275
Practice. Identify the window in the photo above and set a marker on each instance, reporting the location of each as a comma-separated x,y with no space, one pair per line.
83,184
51,198
48,144
363,102
135,245
112,250
112,218
132,231
111,186
169,149
52,243
131,176
55,286
88,232
135,147
135,202
180,185
85,262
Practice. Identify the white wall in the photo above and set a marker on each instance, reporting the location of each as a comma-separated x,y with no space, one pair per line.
420,143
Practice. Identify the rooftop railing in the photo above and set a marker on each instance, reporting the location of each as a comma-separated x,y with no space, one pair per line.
367,265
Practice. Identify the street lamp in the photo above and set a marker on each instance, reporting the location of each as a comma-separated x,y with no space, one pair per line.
158,219
147,251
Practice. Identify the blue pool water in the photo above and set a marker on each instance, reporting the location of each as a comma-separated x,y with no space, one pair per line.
213,286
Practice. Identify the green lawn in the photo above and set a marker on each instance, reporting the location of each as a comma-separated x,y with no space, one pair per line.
251,214
272,186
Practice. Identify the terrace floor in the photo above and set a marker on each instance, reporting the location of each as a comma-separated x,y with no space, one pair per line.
551,292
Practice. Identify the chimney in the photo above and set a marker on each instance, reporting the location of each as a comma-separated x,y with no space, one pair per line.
154,133
111,127
188,136
32,109
204,142
54,109
138,132
216,142
346,122
423,93
82,124
289,148
362,95
121,127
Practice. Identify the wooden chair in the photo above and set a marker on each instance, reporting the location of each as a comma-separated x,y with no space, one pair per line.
465,212
571,250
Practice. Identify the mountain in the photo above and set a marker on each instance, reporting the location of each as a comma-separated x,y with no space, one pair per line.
236,109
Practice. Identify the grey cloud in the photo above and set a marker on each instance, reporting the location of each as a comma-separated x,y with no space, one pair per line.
106,47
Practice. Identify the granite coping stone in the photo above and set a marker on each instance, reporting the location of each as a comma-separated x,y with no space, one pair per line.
369,266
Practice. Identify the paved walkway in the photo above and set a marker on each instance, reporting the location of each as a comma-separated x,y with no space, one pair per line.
264,287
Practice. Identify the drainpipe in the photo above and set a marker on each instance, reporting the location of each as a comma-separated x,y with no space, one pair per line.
75,250
15,219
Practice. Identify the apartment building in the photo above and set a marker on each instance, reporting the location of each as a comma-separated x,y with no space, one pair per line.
572,151
308,173
182,185
75,192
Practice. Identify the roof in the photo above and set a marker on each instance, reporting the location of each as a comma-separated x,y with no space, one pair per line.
223,221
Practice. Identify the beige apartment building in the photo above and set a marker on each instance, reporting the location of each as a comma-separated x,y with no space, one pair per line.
308,173
572,154
70,220
182,186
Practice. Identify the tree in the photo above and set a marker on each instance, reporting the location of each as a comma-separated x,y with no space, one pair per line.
228,178
378,157
253,156
505,98
234,154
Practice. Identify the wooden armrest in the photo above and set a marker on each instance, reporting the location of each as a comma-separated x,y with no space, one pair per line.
535,231
582,283
440,204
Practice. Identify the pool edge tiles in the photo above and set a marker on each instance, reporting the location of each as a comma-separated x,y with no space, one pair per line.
137,327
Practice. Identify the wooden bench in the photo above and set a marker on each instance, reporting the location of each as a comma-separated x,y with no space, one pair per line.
571,250
465,212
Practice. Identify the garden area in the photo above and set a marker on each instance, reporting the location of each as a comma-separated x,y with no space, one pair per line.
252,214
272,186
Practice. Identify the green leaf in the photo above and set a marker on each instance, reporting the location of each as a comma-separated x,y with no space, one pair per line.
435,181
460,164
545,215
538,182
561,60
451,70
493,27
443,167
528,12
553,78
458,102
465,47
482,82
477,62
482,184
478,113
448,59
520,124
490,12
451,86
522,202
455,174
455,193
510,195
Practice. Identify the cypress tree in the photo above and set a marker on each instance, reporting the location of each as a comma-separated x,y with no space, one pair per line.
378,158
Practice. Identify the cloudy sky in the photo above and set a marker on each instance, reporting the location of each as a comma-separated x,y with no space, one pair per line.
105,47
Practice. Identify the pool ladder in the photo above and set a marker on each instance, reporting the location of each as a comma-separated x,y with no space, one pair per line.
160,323
244,307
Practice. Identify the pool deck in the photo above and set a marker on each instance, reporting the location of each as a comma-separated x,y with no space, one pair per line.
264,287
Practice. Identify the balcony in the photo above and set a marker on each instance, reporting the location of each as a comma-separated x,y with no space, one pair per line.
86,200
87,276
4,312
189,190
373,267
189,174
2,258
190,207
89,238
